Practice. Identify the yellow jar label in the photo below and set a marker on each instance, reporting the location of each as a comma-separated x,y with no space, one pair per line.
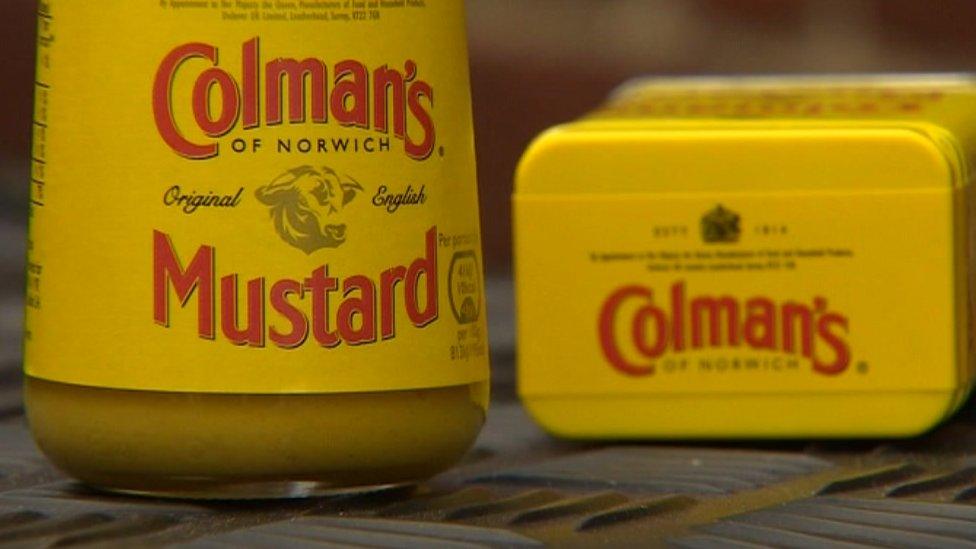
262,197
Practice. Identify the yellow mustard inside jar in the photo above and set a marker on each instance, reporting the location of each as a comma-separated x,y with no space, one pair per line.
255,258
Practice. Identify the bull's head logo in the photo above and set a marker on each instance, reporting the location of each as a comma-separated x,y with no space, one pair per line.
302,201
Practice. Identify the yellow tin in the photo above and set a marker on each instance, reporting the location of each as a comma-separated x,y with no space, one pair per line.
705,258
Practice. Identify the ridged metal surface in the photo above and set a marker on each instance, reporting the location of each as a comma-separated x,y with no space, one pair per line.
828,521
869,479
667,470
339,532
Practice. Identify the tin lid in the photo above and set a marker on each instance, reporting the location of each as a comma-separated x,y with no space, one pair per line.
642,156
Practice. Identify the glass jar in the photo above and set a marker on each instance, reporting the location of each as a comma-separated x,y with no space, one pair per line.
254,260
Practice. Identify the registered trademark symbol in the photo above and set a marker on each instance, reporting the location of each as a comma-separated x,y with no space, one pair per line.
862,367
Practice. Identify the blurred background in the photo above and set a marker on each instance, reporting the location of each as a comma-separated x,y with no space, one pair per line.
536,63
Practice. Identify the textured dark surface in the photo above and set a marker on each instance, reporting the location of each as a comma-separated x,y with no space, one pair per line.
520,488
666,470
820,521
